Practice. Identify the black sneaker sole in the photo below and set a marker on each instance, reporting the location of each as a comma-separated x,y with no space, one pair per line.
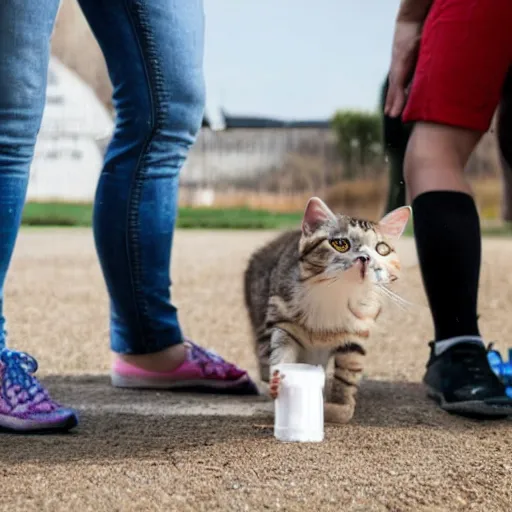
472,408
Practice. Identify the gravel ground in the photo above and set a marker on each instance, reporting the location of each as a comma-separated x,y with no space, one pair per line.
162,451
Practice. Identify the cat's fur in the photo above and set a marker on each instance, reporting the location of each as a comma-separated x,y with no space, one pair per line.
308,302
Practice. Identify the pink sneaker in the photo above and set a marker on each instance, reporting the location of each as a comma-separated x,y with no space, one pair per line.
203,370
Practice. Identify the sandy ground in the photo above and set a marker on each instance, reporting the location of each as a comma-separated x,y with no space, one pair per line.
175,452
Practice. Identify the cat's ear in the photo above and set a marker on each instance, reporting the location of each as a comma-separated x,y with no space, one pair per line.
316,214
393,224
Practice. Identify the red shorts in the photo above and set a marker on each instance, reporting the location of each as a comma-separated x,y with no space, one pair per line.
465,54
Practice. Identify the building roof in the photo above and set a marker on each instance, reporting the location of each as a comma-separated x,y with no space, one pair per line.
267,122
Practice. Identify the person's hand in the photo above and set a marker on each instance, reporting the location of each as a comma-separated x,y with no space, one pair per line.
403,60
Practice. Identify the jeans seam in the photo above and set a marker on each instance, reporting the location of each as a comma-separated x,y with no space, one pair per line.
146,46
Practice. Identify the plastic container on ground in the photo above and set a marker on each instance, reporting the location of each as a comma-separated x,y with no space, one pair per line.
299,408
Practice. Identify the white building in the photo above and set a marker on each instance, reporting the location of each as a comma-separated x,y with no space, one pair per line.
76,127
69,150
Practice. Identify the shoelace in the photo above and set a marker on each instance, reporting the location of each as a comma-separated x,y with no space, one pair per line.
209,358
20,360
19,368
473,362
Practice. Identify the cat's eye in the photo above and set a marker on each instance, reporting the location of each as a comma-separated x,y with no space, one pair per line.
383,248
341,244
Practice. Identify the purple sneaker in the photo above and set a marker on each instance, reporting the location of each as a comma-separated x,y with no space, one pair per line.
25,405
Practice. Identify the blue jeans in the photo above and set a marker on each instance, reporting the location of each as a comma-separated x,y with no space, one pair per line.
154,54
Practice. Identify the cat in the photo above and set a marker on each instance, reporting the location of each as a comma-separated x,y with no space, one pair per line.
313,295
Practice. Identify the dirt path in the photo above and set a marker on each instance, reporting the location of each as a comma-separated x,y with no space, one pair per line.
159,451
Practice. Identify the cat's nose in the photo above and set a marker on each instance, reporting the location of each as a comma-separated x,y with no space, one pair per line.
363,258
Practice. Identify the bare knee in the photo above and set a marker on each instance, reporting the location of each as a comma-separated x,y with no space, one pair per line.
436,157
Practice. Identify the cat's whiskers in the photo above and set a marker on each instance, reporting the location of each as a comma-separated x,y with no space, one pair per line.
334,279
394,297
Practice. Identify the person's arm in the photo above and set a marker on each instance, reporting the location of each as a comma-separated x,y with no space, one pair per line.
414,11
408,27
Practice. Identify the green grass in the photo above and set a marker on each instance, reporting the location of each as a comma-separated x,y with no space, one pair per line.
497,230
71,214
240,218
66,214
409,230
57,214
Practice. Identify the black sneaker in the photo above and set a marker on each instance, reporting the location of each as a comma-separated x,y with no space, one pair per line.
462,382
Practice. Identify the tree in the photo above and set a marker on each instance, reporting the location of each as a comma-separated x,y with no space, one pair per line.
359,138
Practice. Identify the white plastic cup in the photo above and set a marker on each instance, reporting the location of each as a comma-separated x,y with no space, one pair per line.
299,407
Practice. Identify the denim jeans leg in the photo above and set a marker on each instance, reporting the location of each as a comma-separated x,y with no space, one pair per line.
25,31
154,53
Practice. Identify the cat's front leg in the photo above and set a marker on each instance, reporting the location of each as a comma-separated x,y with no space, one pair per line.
283,349
348,371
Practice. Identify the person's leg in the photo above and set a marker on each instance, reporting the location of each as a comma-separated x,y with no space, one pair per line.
446,225
395,137
25,30
154,53
465,53
504,129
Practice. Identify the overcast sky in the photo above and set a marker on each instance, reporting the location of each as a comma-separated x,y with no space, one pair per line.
296,58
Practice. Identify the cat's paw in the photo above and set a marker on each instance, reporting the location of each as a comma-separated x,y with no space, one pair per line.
275,382
338,413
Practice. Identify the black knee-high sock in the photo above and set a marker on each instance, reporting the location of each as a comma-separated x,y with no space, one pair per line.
447,231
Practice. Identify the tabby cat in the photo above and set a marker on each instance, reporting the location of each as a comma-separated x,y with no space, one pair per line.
314,294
